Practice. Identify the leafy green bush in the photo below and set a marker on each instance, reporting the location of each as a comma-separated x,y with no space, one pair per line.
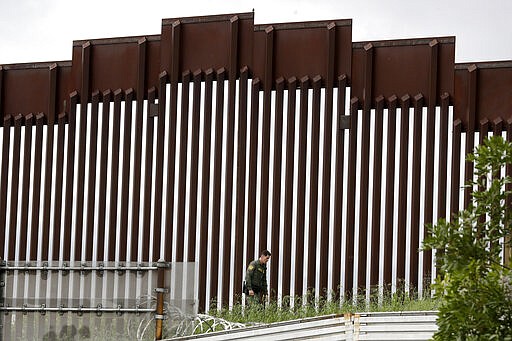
473,285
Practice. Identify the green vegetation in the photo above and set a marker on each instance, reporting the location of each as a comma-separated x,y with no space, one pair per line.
474,288
309,308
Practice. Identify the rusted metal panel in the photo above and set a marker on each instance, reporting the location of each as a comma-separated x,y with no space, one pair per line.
205,42
403,67
482,90
114,63
310,41
25,87
21,84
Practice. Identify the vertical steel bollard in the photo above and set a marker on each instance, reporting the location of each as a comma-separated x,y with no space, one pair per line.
2,298
160,291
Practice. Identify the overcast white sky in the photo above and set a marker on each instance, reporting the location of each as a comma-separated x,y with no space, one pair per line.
43,30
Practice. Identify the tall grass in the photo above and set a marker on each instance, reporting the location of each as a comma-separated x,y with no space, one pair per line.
308,306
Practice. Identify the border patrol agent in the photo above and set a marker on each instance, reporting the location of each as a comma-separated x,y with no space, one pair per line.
256,279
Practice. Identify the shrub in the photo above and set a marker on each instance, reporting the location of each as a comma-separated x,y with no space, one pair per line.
473,285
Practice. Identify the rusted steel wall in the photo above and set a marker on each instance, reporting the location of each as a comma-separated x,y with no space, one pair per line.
219,138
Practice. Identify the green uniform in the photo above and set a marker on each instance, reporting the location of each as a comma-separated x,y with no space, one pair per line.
256,279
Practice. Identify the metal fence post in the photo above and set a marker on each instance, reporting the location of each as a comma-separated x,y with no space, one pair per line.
160,291
2,298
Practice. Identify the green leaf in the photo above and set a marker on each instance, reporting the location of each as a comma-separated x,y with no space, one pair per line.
474,287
